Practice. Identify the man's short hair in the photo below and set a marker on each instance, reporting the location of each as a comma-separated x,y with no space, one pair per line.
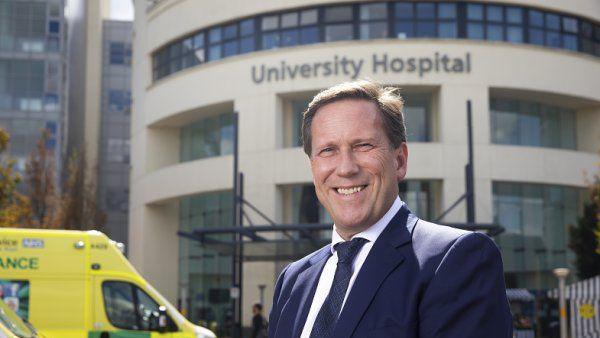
258,306
387,99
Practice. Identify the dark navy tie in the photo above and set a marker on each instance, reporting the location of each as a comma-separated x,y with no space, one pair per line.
330,310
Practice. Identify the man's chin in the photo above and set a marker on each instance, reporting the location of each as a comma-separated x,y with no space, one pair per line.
350,226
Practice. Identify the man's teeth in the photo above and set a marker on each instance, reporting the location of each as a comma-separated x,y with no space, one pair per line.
350,191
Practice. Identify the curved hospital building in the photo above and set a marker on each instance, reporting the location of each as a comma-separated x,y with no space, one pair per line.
531,70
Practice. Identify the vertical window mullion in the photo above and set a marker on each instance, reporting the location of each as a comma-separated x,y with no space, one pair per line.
525,25
436,21
257,33
355,22
321,23
461,20
390,19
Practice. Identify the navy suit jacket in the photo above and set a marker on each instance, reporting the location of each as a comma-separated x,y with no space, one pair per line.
419,280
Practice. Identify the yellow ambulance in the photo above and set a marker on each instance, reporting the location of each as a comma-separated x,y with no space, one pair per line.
79,284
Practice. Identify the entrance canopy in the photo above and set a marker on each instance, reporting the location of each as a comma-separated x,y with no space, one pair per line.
285,242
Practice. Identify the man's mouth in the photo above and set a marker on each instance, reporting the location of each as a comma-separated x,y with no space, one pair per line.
350,190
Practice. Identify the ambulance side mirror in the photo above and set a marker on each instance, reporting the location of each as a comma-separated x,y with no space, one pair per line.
163,323
159,320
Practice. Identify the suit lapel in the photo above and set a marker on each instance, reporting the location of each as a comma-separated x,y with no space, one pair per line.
383,258
296,309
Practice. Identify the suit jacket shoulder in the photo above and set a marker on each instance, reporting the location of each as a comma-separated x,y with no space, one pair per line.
432,241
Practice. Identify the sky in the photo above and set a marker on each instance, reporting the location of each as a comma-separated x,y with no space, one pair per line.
121,10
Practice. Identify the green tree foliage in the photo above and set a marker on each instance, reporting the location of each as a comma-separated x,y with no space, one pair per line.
15,210
585,236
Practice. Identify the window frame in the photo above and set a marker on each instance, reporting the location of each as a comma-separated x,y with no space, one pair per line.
163,64
171,325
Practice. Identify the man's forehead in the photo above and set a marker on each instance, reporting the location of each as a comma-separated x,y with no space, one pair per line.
348,106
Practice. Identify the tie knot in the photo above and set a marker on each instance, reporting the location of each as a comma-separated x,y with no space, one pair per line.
346,251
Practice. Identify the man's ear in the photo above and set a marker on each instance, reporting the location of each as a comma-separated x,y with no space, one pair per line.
401,154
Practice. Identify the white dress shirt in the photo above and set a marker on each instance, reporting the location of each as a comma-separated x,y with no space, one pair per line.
326,278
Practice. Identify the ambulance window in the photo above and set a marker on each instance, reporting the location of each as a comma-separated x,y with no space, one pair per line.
129,307
120,305
146,306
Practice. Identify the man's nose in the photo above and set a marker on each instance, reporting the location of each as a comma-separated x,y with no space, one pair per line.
347,165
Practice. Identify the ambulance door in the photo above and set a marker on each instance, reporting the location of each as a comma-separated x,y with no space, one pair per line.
124,310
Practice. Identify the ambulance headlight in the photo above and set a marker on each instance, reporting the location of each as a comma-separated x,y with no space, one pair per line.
204,333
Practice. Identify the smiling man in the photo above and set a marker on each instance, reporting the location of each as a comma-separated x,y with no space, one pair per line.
386,272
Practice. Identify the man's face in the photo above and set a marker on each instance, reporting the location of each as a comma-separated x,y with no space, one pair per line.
355,168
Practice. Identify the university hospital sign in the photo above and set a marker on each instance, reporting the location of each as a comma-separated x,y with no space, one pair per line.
382,63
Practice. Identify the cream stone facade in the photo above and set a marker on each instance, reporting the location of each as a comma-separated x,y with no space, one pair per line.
162,107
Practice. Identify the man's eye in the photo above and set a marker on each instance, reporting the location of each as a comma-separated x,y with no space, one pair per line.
364,146
326,151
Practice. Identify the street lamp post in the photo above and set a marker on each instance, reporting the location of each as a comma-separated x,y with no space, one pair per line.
561,274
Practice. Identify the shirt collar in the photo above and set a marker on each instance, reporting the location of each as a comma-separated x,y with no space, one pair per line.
371,233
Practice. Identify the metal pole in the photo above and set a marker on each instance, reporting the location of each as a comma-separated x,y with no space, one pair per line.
240,222
562,274
470,184
235,209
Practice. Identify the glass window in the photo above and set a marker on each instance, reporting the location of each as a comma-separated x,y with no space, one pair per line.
230,48
570,42
552,21
376,11
447,30
494,13
119,101
146,307
425,10
374,30
475,31
270,40
270,22
514,15
209,137
246,45
206,272
338,32
495,32
553,39
536,36
290,37
119,305
514,34
308,17
53,26
338,14
214,35
309,35
404,10
417,110
54,9
425,29
306,207
419,196
247,27
447,11
214,53
536,18
198,41
289,20
570,24
230,32
474,12
404,30
527,123
535,219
